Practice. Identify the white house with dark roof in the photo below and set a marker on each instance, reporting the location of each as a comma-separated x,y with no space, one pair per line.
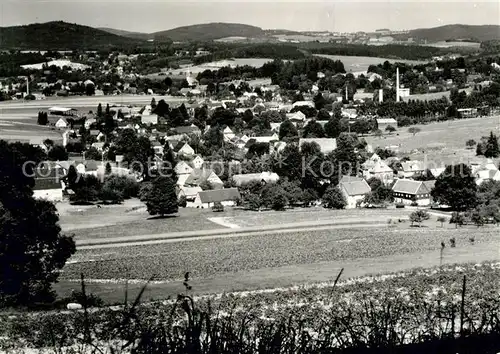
408,191
412,168
376,167
354,191
297,117
48,183
197,161
226,197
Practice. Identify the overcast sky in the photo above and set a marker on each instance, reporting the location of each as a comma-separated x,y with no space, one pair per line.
332,15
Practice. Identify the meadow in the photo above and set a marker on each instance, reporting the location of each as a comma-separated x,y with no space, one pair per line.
442,142
358,64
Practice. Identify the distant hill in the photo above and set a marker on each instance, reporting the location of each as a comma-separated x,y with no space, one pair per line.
128,34
208,32
454,32
59,35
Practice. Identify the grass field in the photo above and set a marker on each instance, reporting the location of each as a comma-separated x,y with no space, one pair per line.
355,63
23,126
128,219
441,143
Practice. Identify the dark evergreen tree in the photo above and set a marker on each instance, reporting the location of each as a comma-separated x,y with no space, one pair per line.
491,148
162,199
107,169
288,131
456,187
313,130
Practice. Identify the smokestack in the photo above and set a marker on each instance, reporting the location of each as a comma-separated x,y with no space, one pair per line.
397,84
380,96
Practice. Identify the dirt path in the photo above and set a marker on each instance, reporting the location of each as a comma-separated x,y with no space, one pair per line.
218,233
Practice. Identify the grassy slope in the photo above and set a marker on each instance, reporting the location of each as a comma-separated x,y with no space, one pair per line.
442,142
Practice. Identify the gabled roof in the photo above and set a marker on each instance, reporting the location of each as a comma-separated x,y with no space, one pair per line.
408,186
190,192
430,184
183,167
346,179
199,176
219,195
326,144
354,188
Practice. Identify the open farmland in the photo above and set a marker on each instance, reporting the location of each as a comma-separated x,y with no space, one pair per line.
86,101
23,126
441,142
358,64
215,65
280,258
131,219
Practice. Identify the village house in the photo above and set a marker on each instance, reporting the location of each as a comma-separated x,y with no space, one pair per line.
226,197
182,170
190,193
296,118
48,184
201,176
407,191
228,134
326,145
412,168
266,139
376,167
183,149
354,191
197,161
486,171
87,167
266,177
62,123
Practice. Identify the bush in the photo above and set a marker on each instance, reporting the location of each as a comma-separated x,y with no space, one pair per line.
218,207
126,186
110,195
183,201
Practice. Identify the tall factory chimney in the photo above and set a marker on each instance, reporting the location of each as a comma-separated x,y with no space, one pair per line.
397,84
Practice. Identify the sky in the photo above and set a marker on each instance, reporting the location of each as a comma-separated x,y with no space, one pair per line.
305,15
